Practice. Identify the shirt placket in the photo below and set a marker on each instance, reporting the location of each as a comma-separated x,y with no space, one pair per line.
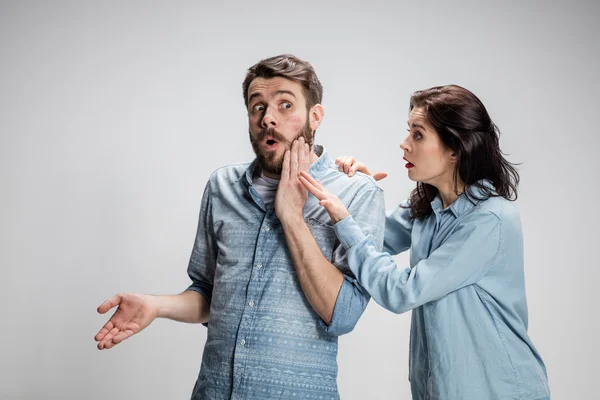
244,344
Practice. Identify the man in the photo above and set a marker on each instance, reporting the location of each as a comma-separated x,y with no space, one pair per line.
269,277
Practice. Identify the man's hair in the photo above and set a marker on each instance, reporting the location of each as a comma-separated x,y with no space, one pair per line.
289,67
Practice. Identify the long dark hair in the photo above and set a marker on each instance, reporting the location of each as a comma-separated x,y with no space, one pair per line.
465,127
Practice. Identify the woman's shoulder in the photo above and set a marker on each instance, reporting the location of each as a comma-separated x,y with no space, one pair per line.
501,209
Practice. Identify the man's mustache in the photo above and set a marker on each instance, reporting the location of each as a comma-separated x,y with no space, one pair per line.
270,132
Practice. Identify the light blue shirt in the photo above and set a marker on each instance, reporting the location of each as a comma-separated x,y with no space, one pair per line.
264,339
466,289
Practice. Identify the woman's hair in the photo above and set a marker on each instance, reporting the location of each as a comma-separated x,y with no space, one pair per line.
465,127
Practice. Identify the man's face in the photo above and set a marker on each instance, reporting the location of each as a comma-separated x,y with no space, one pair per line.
277,115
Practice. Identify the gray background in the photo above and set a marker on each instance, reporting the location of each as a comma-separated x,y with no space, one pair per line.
113,115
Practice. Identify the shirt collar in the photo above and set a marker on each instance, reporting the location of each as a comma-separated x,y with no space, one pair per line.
469,199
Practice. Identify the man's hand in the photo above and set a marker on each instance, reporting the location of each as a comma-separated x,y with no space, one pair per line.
135,312
291,194
349,165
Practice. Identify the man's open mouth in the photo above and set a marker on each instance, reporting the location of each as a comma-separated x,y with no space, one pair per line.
270,143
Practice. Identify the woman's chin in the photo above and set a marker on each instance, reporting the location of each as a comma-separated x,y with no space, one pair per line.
412,176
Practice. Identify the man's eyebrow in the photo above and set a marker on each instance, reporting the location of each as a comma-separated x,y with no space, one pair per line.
285,92
253,95
277,93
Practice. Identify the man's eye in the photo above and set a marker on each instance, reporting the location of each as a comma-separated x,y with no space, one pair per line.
258,108
286,105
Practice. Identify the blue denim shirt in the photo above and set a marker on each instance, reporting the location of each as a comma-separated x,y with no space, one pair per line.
466,290
264,340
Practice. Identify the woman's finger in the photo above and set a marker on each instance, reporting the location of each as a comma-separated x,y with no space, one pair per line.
358,166
341,163
311,188
320,186
348,163
379,175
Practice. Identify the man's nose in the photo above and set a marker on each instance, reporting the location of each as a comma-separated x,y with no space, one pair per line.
269,120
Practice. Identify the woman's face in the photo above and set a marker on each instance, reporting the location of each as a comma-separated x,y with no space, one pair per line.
428,160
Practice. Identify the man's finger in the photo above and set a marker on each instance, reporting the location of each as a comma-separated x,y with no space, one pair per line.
285,168
111,334
301,155
110,303
307,157
109,345
294,160
122,336
105,329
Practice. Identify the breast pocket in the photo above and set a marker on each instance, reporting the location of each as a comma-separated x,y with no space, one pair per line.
324,235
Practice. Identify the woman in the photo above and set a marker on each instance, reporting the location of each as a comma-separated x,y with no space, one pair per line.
466,283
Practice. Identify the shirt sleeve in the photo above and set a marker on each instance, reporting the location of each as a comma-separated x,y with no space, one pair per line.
369,210
201,268
398,229
464,258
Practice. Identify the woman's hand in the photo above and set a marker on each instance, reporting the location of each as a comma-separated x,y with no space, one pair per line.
335,208
350,165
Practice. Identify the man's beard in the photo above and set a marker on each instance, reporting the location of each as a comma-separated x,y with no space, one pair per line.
271,162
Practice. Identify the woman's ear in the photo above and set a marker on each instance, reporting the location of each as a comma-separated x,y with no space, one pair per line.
453,157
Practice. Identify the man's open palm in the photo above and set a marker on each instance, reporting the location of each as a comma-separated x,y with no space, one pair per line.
135,312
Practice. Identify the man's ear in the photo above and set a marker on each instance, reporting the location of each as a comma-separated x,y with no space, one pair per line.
315,116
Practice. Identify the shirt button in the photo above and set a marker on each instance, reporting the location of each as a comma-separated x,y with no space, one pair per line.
259,265
242,342
267,228
251,303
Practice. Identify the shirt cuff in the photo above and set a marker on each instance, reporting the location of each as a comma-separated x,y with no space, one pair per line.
346,311
349,232
199,289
